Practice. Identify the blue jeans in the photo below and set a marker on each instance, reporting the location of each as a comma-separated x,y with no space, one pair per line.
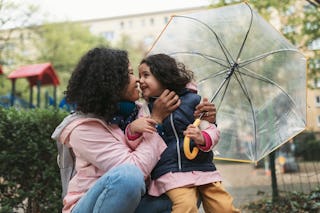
150,204
161,204
119,190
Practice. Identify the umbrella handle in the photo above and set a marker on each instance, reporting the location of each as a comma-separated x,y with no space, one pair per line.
186,144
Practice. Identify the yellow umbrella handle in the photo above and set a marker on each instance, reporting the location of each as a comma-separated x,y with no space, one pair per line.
186,144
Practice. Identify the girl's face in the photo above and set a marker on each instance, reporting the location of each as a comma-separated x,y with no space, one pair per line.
132,92
149,85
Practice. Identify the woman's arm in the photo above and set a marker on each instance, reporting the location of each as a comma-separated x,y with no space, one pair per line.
105,147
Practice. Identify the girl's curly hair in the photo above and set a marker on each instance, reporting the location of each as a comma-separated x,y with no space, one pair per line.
170,73
98,81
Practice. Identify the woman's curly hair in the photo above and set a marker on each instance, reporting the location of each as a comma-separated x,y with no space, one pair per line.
98,81
171,74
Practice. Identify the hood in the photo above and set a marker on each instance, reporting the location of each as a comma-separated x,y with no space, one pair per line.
66,121
192,86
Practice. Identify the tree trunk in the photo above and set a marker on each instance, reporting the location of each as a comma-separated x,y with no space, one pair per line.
275,192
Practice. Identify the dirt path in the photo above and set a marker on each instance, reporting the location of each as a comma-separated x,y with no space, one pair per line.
244,182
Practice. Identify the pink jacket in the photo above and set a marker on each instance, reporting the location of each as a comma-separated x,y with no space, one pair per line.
98,147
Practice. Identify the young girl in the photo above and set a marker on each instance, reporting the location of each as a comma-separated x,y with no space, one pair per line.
181,179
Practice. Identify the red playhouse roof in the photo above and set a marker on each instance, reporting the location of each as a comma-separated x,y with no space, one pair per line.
35,72
1,71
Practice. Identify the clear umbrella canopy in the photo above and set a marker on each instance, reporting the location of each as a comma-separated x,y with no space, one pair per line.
255,77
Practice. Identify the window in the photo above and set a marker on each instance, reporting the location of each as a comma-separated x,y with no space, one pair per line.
166,19
151,21
122,25
108,35
317,101
318,120
317,82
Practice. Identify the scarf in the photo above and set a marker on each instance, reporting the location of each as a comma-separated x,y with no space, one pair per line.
127,112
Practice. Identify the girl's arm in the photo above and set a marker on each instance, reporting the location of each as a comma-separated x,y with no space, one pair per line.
206,136
135,129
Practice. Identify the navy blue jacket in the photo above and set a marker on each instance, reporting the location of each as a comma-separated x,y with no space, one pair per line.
173,158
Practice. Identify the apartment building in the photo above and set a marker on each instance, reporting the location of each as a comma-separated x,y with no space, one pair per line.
142,29
313,105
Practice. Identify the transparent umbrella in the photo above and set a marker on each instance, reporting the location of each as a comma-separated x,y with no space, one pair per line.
255,77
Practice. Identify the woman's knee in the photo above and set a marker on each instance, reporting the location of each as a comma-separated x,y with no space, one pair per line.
130,178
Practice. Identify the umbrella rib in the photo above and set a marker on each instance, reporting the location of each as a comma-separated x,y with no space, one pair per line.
259,57
262,78
222,46
213,75
223,94
209,57
245,91
247,33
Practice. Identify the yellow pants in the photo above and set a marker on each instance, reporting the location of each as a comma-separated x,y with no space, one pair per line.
215,199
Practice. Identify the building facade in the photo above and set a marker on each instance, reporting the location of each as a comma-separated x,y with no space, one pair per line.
141,29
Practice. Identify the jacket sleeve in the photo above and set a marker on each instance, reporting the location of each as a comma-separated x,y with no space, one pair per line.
106,147
212,132
132,140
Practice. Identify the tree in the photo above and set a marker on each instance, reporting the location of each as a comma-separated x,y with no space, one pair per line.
136,52
299,23
16,20
62,44
13,18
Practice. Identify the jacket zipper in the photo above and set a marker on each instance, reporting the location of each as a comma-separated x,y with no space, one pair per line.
177,141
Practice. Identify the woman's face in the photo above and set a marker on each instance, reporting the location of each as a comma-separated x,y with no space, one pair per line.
132,91
149,85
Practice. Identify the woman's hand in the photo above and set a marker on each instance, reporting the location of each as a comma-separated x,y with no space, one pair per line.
208,109
142,124
164,105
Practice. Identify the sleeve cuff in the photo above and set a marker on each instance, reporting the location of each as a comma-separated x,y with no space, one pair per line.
133,137
208,141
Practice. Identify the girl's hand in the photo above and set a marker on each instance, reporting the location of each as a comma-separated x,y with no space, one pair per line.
143,124
195,134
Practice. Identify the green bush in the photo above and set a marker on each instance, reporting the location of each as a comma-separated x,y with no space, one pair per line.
307,147
29,175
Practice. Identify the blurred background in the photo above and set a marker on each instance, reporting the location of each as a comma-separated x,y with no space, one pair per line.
47,38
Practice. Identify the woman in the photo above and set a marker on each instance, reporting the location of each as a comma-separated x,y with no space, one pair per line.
110,176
